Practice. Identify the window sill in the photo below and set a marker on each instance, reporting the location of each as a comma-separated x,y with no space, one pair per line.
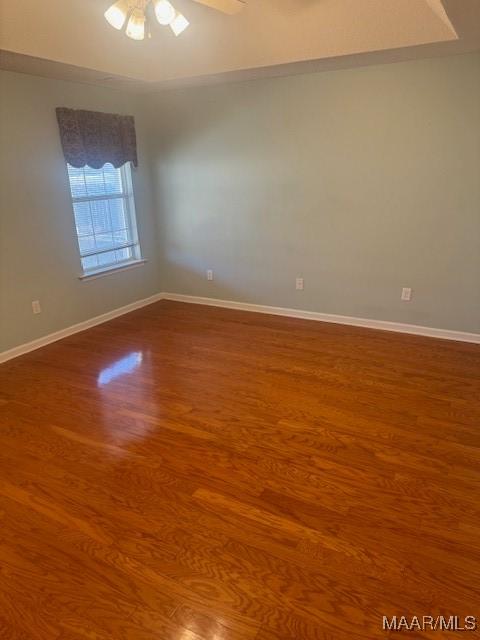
100,273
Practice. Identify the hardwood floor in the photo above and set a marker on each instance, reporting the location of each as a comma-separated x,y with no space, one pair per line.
192,473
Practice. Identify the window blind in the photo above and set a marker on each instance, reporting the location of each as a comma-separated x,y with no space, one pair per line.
104,216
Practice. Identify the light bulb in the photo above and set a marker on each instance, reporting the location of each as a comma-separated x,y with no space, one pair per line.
136,25
179,24
164,12
117,14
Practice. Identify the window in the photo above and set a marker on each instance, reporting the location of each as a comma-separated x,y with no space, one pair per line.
104,216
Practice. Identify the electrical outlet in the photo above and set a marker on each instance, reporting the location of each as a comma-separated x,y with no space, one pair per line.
406,294
36,308
209,275
299,284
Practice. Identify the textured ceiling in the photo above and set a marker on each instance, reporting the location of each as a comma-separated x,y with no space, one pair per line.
51,37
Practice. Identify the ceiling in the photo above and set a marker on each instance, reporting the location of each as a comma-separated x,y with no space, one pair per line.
71,39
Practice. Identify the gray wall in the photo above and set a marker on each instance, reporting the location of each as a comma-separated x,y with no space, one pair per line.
361,181
39,257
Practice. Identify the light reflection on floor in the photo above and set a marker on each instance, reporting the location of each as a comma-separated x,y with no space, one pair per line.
122,426
125,365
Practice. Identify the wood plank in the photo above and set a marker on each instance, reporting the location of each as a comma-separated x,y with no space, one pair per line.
191,472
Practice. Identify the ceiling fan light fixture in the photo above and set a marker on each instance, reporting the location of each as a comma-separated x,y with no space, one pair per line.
164,12
136,14
117,14
179,24
136,25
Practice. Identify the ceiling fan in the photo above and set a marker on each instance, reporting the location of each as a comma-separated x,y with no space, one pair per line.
134,13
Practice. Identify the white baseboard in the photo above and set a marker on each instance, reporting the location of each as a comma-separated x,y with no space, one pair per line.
76,328
383,325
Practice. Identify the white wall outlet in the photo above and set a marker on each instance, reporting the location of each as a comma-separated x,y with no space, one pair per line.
406,294
209,275
299,284
36,308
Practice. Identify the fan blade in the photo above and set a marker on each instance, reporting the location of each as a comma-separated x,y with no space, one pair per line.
226,6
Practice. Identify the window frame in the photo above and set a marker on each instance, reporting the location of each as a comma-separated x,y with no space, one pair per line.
128,198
